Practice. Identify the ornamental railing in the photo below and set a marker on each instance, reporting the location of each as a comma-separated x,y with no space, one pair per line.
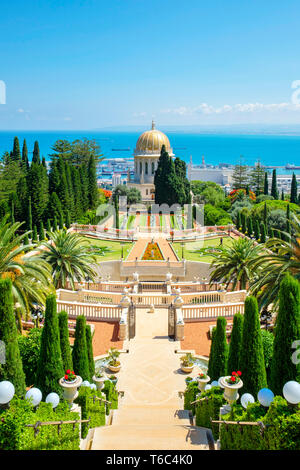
39,424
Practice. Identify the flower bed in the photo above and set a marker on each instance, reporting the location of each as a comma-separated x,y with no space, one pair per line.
152,253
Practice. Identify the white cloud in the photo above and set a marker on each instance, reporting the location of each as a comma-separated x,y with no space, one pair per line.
205,108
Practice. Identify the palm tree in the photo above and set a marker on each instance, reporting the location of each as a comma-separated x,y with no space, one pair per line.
29,273
231,263
281,256
71,257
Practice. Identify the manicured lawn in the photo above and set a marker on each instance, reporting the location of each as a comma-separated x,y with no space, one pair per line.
114,249
191,248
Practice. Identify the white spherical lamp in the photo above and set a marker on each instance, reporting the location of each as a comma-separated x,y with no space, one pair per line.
52,398
215,383
265,397
207,387
34,395
247,398
93,386
85,383
291,392
7,391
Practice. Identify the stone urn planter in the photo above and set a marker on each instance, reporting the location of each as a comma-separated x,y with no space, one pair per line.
70,389
187,364
187,369
99,381
230,390
114,368
202,382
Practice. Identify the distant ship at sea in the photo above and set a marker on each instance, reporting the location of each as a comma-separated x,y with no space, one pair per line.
121,150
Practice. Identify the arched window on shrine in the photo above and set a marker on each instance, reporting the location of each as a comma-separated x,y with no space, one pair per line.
146,168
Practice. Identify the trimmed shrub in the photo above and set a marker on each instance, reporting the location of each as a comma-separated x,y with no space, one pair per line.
111,394
15,436
65,347
210,408
190,395
12,370
30,346
252,364
50,366
90,409
79,353
267,341
219,350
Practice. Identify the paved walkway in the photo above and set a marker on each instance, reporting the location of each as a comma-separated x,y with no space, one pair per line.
150,415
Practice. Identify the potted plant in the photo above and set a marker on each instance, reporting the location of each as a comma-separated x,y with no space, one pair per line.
99,378
188,380
187,363
113,364
231,385
70,383
203,379
114,379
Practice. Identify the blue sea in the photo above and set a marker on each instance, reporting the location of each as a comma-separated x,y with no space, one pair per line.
216,148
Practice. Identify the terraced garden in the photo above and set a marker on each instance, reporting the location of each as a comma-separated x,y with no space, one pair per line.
191,249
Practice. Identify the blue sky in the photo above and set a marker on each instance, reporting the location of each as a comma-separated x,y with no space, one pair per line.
93,64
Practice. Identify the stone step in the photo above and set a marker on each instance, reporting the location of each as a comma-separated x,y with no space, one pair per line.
143,437
141,415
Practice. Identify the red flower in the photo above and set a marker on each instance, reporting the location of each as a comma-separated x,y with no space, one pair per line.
66,377
239,373
68,371
233,379
73,373
233,373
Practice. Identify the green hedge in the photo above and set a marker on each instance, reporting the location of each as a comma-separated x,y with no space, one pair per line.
89,409
111,394
15,436
210,408
190,396
282,434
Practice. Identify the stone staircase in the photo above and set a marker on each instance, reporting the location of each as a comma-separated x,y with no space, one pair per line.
150,416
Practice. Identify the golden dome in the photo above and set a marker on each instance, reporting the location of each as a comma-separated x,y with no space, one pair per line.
151,142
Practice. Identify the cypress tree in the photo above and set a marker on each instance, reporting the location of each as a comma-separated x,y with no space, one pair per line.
220,351
117,220
271,232
89,345
61,220
37,182
85,188
288,219
50,366
54,224
265,220
294,190
68,221
34,235
244,222
26,240
266,184
41,232
80,353
256,229
44,162
54,206
282,195
16,153
25,161
262,233
48,226
36,153
92,183
274,189
29,215
235,344
252,363
287,330
65,347
211,360
12,370
239,221
249,226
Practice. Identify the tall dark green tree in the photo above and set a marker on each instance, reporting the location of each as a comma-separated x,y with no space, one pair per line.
34,234
235,344
50,366
65,347
165,180
252,363
89,345
12,370
266,184
218,367
249,226
36,153
25,161
80,353
274,188
37,183
16,153
257,179
287,331
294,190
92,183
263,234
41,232
256,229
